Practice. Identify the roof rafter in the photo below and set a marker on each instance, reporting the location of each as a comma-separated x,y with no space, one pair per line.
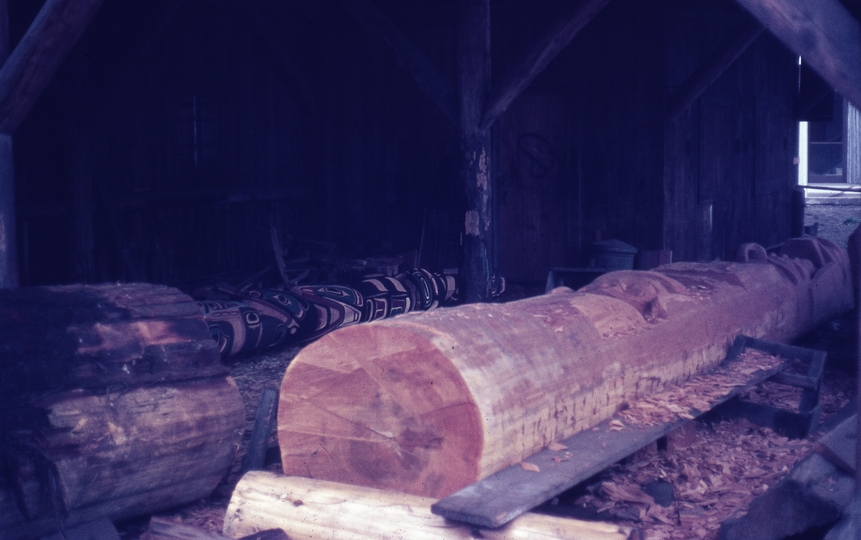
537,57
35,59
712,68
823,33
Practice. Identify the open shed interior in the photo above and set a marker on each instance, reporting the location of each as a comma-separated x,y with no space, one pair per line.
177,133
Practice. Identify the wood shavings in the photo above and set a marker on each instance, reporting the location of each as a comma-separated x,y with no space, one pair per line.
723,470
531,467
699,393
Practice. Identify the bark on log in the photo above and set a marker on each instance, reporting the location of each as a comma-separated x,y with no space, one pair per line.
431,403
114,404
311,509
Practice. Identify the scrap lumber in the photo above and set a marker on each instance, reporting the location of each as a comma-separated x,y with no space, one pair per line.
308,509
429,404
114,403
838,445
814,493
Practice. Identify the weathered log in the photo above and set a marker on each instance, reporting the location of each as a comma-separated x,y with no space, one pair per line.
310,509
428,404
114,404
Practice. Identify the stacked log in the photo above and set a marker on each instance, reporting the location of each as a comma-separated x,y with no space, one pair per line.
115,403
430,403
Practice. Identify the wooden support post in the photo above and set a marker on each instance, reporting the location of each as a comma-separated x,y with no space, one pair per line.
8,237
261,432
473,35
538,57
712,68
823,33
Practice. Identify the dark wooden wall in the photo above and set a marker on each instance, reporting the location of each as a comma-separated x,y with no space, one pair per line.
729,157
178,132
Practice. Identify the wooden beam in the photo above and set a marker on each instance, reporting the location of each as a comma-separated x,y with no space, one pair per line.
538,57
473,38
26,73
430,80
709,71
823,33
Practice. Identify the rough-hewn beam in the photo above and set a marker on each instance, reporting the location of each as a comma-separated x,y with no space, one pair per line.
54,31
823,33
430,80
473,38
709,71
538,57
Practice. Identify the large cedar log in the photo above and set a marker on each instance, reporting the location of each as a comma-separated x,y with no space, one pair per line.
310,509
430,403
114,404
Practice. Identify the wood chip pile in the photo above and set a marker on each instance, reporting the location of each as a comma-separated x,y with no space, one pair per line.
699,392
711,478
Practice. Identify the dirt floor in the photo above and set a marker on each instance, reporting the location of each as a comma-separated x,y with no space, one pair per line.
833,221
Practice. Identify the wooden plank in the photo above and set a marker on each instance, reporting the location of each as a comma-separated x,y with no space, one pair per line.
537,57
782,349
709,71
308,508
429,79
509,493
838,445
26,73
823,33
261,432
473,33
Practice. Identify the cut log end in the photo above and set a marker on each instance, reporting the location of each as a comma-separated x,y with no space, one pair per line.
382,417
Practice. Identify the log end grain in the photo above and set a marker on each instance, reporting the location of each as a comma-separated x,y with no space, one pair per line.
390,414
